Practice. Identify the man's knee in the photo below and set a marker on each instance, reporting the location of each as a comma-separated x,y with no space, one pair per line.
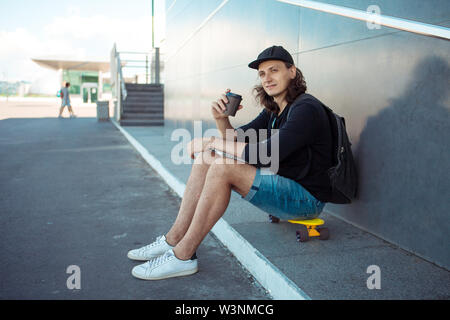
239,176
220,167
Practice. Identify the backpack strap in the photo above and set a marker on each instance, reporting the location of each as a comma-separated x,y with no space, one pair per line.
306,169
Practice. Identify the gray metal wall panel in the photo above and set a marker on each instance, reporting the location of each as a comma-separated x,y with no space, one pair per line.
430,11
390,85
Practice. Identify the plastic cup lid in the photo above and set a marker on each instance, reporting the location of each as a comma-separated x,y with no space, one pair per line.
233,95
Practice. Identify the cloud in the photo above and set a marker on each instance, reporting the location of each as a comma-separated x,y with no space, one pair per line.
15,63
70,36
126,32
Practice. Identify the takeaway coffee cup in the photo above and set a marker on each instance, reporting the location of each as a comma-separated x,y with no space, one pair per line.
234,100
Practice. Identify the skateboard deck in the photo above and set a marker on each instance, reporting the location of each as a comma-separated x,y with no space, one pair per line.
308,228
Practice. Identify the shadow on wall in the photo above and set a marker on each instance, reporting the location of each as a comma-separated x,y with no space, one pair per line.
403,158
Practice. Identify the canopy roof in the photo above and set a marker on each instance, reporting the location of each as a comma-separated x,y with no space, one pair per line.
73,64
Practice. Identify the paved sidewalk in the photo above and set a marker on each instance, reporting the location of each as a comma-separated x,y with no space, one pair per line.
332,269
74,192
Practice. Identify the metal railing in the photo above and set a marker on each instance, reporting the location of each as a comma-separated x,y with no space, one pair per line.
137,63
119,89
121,78
120,61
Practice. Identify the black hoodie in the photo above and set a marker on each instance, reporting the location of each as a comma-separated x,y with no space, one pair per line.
308,125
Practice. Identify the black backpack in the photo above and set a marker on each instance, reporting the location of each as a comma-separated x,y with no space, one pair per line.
342,174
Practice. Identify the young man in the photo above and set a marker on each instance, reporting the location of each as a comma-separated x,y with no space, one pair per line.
288,193
65,101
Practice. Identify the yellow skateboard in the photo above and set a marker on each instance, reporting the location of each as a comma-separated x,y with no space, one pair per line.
307,229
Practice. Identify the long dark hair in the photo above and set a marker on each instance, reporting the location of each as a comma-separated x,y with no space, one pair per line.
296,87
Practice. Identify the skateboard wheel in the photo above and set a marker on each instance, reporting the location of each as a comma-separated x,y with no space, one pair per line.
273,219
324,233
302,234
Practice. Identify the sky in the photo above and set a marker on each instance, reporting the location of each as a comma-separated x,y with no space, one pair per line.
82,29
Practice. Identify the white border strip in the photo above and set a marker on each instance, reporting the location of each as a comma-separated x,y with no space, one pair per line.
197,29
171,6
388,21
269,276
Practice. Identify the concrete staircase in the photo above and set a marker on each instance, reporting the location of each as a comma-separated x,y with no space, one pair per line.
144,105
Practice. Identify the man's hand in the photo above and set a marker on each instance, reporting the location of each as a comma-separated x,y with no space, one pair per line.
198,145
218,107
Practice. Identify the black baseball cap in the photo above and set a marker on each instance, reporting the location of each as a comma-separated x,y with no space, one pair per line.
272,53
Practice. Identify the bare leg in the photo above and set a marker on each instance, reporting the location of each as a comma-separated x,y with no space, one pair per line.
61,111
214,200
191,196
70,110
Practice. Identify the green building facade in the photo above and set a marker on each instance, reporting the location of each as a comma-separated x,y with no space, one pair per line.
84,83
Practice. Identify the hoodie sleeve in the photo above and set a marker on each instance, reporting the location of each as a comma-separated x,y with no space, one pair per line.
260,122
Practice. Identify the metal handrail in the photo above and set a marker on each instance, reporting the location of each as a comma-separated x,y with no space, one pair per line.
121,79
127,60
146,67
117,73
133,52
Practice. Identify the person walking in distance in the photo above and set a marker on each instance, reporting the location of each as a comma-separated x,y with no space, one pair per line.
65,101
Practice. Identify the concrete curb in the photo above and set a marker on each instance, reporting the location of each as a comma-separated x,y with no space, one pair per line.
268,275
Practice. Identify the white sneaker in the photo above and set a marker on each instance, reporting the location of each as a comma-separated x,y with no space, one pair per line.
153,250
73,116
165,266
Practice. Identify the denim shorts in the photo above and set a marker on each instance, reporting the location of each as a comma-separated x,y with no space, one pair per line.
283,197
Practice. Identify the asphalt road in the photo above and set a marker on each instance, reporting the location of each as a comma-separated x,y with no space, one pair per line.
75,193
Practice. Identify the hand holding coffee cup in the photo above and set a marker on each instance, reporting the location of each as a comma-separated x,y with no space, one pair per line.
227,105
